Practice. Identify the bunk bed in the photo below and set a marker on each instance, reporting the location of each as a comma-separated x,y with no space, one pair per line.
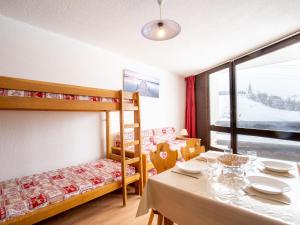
120,170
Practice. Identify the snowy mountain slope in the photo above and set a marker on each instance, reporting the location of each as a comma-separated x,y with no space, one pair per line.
249,110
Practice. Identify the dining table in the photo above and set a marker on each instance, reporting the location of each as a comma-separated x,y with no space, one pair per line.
220,198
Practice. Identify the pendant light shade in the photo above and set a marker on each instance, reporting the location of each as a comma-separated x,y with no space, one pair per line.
162,29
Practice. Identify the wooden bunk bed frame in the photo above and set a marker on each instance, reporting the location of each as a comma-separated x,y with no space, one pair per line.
126,102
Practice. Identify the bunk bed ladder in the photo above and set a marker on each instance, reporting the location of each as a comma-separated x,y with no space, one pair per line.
125,105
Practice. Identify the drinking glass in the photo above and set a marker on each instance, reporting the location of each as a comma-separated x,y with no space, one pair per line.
228,151
228,188
212,167
252,154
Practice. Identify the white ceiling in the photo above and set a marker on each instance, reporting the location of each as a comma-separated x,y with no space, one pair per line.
212,30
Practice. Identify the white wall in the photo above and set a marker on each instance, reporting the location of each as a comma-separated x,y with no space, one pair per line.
39,141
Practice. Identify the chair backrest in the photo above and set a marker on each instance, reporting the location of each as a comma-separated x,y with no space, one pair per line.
192,149
163,158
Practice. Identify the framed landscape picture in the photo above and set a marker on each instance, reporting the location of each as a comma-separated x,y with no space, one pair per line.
145,85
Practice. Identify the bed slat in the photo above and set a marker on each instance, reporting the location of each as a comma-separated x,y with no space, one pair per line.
134,125
130,107
131,143
132,160
23,103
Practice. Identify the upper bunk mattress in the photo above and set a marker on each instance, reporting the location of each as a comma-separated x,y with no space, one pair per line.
22,195
47,95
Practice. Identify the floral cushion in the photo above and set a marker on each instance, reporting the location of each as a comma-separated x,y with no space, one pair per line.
164,134
152,172
147,137
22,195
152,137
128,136
176,144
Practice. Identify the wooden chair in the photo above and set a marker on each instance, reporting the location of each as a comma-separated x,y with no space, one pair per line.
163,159
192,149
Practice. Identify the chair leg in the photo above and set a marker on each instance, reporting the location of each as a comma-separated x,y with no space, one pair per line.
137,188
160,219
151,217
167,221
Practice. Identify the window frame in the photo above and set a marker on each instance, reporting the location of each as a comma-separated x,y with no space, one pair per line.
233,130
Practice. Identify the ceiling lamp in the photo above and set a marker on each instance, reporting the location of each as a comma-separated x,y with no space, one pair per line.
162,29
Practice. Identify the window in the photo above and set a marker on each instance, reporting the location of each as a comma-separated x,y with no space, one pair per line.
268,93
269,147
220,140
254,102
219,98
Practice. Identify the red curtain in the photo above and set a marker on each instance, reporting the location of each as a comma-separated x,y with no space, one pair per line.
190,106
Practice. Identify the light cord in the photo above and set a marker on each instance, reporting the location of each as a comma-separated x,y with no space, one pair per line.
160,12
160,3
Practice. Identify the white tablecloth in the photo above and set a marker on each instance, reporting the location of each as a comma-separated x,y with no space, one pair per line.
189,201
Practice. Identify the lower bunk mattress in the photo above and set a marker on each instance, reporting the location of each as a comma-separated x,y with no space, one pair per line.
22,195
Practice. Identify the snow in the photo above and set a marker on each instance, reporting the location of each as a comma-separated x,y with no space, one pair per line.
249,110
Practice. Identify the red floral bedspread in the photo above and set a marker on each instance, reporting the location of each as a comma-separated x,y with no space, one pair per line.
22,195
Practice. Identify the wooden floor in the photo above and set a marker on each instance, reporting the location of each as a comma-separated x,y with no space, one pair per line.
106,210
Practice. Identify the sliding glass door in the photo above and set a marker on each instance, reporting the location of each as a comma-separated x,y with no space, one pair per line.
254,102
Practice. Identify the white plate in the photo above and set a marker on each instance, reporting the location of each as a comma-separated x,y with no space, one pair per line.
211,154
277,166
268,185
190,167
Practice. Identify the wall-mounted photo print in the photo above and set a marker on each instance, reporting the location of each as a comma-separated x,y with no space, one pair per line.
145,85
